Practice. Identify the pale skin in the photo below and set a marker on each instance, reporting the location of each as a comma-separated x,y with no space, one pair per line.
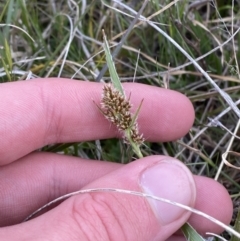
45,111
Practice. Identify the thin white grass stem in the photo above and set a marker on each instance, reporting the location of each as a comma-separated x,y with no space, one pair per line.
124,37
85,63
66,49
104,18
143,19
135,71
228,149
217,236
218,123
83,45
139,194
197,59
24,61
18,72
14,26
217,147
64,52
205,128
80,66
54,9
233,44
146,56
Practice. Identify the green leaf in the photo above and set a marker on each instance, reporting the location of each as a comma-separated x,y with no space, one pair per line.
8,54
111,66
190,233
236,227
136,114
4,10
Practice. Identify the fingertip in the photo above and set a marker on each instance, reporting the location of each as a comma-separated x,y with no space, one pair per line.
165,115
214,200
169,179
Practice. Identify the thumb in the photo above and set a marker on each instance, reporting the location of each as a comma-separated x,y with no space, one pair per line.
117,216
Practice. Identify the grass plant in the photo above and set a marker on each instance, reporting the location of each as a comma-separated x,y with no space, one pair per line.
64,38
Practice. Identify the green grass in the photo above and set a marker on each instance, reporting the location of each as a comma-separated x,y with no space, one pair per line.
66,36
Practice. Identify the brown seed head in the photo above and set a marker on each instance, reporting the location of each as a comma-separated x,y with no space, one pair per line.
116,109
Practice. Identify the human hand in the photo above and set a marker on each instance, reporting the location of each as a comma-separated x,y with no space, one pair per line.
44,111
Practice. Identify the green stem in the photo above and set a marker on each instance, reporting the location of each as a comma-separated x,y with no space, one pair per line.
135,146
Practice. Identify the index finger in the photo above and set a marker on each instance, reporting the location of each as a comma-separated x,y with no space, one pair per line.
44,111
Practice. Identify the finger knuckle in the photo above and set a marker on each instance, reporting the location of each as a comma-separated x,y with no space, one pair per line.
104,217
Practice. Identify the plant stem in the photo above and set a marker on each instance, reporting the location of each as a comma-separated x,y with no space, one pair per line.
133,144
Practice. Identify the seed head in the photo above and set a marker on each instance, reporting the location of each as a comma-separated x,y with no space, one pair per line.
116,108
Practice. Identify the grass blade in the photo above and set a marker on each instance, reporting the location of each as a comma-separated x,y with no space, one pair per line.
112,70
190,233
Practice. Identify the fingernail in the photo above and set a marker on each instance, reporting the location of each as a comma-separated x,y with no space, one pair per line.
170,180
